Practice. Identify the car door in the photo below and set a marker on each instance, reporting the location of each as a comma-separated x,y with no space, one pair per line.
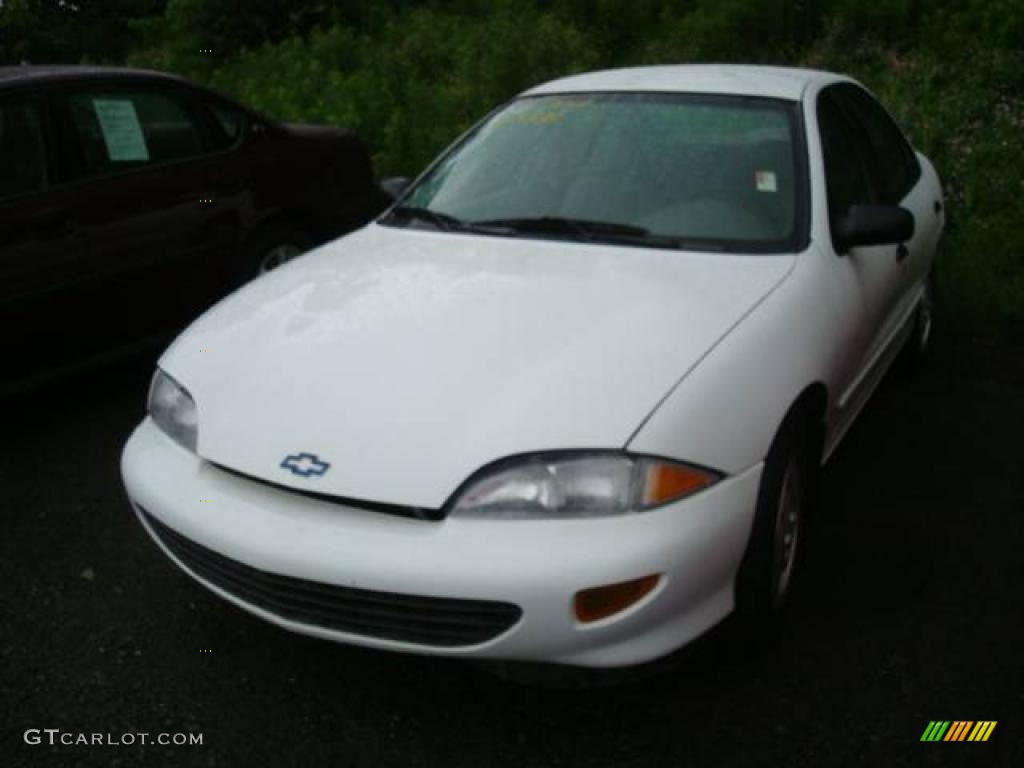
39,247
897,179
142,186
864,280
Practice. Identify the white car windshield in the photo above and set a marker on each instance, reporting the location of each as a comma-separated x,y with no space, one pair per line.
654,169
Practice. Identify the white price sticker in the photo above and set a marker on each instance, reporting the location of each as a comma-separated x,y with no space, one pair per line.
765,181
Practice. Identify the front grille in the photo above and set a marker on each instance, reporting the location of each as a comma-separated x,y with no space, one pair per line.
435,621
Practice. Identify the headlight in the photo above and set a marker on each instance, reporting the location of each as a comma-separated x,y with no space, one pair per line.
173,409
586,485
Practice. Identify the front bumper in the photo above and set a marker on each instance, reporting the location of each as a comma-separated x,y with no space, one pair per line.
536,565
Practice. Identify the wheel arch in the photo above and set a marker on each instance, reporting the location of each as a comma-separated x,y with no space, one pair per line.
811,408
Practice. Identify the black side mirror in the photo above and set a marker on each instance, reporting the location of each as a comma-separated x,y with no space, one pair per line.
395,186
873,225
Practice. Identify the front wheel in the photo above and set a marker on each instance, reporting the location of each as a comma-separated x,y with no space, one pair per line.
778,536
269,249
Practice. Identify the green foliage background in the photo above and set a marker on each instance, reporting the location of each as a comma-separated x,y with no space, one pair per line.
411,76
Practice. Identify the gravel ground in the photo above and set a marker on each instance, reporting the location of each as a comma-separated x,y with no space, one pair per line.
911,608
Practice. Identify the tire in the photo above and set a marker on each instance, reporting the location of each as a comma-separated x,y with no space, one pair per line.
269,248
778,536
914,354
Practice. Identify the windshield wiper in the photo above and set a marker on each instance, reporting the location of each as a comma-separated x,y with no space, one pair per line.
439,220
582,229
557,225
599,231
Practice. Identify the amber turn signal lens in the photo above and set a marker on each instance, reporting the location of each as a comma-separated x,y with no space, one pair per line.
601,602
666,482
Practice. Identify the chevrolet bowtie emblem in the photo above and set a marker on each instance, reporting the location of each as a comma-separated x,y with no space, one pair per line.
305,465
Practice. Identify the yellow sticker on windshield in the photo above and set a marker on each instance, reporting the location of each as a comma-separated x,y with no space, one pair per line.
538,118
553,111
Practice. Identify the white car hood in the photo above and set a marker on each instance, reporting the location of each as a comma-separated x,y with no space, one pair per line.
407,359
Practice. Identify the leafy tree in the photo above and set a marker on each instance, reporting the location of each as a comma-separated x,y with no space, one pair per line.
66,32
411,74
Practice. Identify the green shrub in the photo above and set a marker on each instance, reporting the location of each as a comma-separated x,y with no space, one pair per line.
410,76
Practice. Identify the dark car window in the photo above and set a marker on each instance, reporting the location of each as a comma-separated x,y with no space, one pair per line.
23,168
228,124
122,129
892,163
846,183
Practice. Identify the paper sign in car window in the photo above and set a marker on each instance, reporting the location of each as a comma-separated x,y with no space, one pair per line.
121,130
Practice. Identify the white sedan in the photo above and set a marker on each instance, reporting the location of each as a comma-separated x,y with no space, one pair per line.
565,401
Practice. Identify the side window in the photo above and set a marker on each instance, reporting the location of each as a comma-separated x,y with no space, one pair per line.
23,167
228,125
845,181
892,163
121,129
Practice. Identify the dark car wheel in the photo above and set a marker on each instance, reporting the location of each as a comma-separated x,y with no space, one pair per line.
778,537
270,248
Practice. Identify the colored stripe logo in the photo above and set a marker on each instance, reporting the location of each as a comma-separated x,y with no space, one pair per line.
958,730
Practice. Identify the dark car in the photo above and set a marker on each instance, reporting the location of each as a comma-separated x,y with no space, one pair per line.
131,200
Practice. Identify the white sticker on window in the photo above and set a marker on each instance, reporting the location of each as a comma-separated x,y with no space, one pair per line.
765,181
121,130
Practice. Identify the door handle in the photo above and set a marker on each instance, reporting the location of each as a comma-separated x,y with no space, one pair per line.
902,252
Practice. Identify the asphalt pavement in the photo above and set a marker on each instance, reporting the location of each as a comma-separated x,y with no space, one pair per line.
910,609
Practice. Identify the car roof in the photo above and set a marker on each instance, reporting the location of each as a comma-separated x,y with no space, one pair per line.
741,80
35,74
